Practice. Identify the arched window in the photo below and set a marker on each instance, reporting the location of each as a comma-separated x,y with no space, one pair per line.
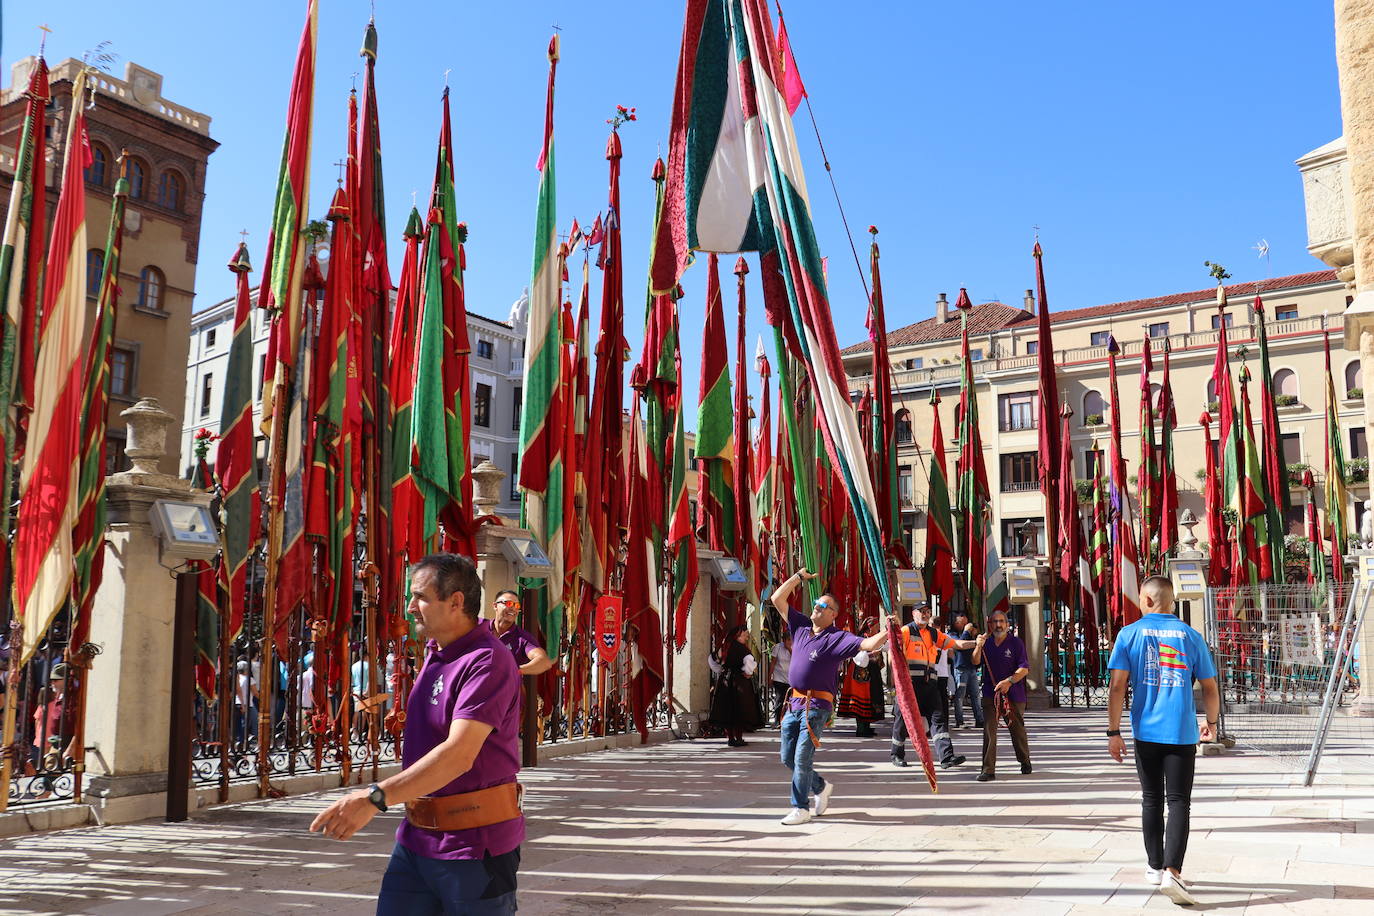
169,190
1286,383
1354,378
95,266
99,167
1155,389
902,425
150,283
1211,390
138,179
1093,407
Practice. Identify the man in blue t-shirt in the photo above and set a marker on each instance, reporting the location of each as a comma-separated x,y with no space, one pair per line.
1160,656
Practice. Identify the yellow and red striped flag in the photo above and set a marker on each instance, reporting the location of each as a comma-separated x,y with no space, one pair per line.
43,555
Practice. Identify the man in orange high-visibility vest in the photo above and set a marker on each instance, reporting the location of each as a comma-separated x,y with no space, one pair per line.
922,644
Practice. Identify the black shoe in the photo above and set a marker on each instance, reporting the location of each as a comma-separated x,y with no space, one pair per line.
1025,769
953,761
986,777
899,761
741,743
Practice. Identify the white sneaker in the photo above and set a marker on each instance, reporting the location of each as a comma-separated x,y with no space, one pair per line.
1153,876
823,798
797,816
1175,889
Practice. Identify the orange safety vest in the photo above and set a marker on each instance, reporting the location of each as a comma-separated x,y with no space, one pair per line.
921,654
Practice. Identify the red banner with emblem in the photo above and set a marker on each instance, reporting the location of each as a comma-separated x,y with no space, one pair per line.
610,611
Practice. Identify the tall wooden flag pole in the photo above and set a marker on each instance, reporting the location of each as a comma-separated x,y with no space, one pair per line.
369,202
1125,565
281,290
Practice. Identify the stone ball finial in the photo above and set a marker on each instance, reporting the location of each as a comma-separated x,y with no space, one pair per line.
147,430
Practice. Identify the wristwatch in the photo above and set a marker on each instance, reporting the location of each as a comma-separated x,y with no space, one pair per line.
377,797
1113,733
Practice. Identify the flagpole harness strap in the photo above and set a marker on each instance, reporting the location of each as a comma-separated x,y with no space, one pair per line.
467,810
808,696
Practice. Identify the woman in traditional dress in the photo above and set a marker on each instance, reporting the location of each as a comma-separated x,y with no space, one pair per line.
734,702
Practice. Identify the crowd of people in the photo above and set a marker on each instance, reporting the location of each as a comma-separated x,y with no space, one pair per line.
458,847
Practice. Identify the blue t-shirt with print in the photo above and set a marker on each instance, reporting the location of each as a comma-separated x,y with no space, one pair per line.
1163,655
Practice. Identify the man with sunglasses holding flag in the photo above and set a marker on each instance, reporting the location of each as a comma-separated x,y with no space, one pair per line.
529,655
819,648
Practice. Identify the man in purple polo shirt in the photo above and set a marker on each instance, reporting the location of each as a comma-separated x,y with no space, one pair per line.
458,849
1005,666
818,650
525,648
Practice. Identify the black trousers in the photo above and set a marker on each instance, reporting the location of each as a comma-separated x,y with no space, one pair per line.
935,709
1166,775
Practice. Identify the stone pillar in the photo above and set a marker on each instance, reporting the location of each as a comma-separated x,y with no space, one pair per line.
492,566
691,674
129,694
1355,69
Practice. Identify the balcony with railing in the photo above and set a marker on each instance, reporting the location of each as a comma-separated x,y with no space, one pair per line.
997,361
1020,486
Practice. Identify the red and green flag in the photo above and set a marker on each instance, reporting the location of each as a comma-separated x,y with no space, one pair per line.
715,425
1254,517
1274,467
740,460
89,536
236,455
1147,473
735,183
1337,500
1168,491
542,412
1218,568
284,268
984,583
440,403
1125,594
1047,390
939,564
407,535
884,436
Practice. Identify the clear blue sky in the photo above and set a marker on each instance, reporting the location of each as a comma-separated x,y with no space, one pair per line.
1142,139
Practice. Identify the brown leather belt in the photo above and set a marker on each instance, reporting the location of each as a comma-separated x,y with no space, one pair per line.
467,810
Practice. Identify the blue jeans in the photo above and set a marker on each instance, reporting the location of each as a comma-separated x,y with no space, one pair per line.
966,687
416,885
798,752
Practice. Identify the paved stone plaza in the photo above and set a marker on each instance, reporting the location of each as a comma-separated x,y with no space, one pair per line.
693,827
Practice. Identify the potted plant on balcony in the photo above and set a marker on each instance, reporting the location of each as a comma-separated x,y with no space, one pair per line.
1084,490
1357,470
1354,394
1093,419
1213,406
1285,400
1295,472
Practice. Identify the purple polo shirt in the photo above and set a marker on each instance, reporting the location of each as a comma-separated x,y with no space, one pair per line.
1001,661
520,643
476,678
816,659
